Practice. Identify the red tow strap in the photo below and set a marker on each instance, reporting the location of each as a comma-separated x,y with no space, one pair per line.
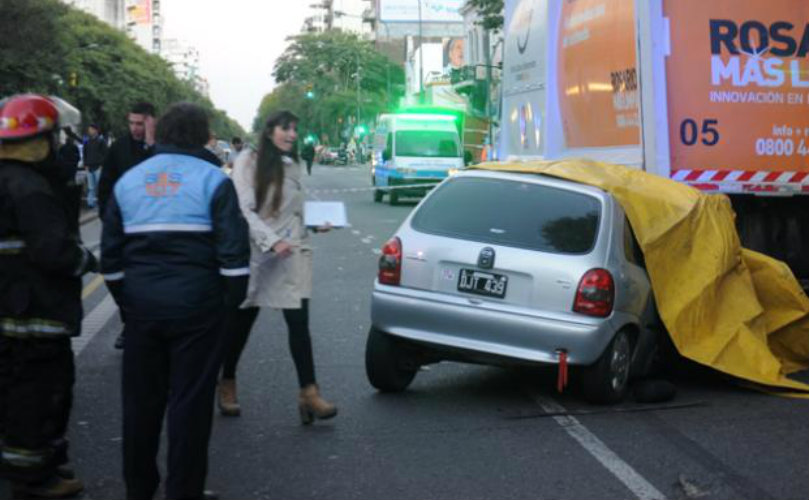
561,379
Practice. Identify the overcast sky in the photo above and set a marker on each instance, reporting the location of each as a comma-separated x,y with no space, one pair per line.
238,41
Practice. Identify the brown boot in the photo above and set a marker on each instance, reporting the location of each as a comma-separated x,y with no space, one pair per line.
55,487
228,403
312,406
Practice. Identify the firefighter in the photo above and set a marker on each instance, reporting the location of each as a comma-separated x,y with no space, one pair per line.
41,264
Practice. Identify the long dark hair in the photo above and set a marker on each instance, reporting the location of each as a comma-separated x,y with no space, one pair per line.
270,163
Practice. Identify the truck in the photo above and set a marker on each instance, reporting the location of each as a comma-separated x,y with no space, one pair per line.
713,94
415,148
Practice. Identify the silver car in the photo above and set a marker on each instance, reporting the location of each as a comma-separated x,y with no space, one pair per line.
511,268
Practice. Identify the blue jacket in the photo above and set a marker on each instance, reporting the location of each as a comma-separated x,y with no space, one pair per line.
175,243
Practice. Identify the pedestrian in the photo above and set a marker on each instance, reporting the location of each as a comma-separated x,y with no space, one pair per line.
175,253
308,155
124,154
95,151
216,150
41,264
237,145
271,198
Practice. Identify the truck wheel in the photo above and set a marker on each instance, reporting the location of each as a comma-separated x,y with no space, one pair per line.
393,197
378,193
385,363
606,380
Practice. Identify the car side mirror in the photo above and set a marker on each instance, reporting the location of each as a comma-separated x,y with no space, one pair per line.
386,155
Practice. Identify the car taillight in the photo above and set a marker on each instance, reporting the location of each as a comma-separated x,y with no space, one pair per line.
390,263
595,294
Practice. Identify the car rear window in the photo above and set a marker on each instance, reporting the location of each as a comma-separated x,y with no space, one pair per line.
511,213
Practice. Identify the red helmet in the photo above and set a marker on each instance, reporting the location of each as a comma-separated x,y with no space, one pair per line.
27,115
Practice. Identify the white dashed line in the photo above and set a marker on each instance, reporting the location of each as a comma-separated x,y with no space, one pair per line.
94,323
637,484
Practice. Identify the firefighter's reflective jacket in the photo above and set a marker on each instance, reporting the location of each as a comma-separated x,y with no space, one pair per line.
41,260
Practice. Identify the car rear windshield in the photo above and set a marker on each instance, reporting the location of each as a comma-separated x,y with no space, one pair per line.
427,143
511,213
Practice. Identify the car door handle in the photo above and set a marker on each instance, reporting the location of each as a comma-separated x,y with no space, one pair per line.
476,302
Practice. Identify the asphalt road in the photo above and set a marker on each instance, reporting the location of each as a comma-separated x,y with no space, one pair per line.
455,433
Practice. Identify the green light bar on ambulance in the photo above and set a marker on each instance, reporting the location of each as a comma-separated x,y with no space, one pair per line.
426,117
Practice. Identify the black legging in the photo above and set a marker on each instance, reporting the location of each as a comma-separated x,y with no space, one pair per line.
240,322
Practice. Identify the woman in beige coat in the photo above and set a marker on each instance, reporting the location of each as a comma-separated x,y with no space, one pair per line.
271,197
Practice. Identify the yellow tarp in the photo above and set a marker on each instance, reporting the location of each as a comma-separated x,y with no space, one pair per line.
726,307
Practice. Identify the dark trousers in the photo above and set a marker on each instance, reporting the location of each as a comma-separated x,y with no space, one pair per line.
169,363
36,395
237,330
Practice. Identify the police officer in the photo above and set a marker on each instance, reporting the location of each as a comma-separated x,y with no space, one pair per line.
175,254
41,264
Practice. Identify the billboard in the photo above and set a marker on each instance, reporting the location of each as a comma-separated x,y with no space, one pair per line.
432,11
597,76
140,12
737,87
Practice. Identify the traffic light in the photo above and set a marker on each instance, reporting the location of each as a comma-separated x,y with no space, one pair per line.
310,94
73,79
361,130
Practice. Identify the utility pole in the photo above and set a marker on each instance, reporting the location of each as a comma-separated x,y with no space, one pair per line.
329,5
488,47
421,61
357,54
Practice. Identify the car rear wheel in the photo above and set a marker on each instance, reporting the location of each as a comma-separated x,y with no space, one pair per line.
606,380
386,363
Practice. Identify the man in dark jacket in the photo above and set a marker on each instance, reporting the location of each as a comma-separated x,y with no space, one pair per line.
127,151
308,154
124,154
95,151
175,253
41,264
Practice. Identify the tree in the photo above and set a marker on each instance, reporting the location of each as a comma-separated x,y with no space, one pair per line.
490,12
327,67
51,48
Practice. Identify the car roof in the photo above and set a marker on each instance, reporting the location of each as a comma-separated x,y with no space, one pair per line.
535,178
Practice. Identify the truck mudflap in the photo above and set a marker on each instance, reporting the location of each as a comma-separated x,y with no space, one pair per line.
733,309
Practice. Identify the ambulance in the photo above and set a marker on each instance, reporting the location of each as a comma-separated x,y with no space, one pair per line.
412,149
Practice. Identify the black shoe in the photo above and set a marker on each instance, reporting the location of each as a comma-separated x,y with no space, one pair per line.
119,342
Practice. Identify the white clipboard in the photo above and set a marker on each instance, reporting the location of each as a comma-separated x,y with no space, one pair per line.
320,213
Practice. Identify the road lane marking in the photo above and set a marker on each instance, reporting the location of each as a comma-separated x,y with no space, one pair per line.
94,323
92,286
637,484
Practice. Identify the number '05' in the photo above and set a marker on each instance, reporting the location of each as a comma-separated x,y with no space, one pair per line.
707,134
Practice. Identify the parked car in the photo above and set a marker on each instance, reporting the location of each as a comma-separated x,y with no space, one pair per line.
328,156
510,269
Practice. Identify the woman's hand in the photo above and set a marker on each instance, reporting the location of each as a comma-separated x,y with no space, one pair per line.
282,248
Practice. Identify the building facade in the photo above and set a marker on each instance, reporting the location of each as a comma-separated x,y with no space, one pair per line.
111,12
345,15
184,60
144,23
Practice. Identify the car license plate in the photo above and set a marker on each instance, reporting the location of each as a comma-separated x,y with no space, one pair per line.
480,283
